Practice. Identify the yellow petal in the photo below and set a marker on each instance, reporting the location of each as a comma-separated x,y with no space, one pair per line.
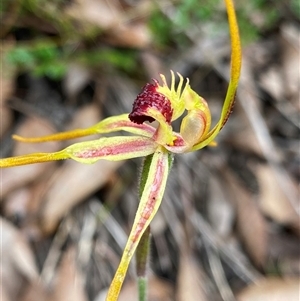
193,126
197,122
122,123
173,94
108,125
150,201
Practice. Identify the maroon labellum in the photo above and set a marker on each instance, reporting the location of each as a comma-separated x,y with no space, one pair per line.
150,98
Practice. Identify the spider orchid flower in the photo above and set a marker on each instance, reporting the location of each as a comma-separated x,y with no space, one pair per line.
159,102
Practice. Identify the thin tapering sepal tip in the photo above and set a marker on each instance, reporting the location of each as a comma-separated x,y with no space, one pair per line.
32,158
56,137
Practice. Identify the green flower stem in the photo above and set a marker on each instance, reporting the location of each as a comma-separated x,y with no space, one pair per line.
142,287
142,251
142,255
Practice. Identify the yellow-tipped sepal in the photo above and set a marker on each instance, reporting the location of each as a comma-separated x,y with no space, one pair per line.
108,125
32,158
235,70
112,148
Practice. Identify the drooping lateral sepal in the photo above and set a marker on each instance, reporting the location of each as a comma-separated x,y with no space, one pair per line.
156,178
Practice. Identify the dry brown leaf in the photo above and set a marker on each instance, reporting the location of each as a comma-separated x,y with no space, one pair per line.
158,290
109,16
37,191
273,201
251,224
17,261
249,100
24,205
271,289
291,61
220,211
69,284
12,178
284,250
130,35
272,82
6,118
190,282
238,140
4,294
76,79
242,128
153,64
16,203
73,181
35,127
158,224
85,117
98,12
35,292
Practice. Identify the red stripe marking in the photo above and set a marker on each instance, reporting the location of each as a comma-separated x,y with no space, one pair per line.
126,147
149,206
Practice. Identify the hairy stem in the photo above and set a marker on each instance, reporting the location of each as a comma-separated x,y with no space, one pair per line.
142,255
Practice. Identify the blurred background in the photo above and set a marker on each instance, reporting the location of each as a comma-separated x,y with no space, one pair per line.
228,228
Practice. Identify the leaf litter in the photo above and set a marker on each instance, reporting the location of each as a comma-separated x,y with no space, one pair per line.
228,210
